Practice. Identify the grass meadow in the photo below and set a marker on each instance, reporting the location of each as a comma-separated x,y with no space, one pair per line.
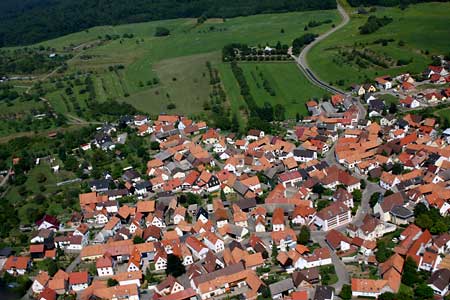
423,28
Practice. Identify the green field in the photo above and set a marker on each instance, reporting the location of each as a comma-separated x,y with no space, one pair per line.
177,61
422,27
292,89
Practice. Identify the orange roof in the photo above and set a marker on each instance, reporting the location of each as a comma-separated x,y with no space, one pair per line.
278,216
145,206
128,276
78,277
253,260
168,118
42,278
18,262
368,285
116,292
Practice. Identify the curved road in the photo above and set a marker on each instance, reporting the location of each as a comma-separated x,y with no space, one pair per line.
303,64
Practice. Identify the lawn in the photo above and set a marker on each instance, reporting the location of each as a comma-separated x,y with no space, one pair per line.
291,88
237,103
444,114
421,27
180,56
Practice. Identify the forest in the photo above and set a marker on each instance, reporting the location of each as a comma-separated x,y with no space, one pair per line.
34,21
388,2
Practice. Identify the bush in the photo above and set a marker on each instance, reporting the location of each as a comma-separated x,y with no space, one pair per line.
162,31
171,106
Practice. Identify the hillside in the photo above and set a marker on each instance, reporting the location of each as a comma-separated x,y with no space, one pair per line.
31,21
349,56
129,64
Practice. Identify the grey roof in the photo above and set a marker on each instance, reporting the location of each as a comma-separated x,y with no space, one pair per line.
323,292
245,204
131,174
281,286
100,184
181,166
445,175
143,185
376,105
163,155
235,230
401,212
112,193
240,188
303,153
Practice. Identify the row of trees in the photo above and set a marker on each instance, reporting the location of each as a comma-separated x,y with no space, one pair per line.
243,51
356,3
33,23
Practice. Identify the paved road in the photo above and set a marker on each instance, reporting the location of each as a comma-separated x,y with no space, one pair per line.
339,266
303,63
73,264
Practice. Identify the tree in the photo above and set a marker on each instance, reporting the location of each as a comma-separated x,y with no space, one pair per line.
436,61
346,292
424,221
410,275
175,266
357,196
423,291
383,253
234,123
162,31
393,108
274,253
279,112
318,189
397,169
363,184
138,240
322,204
41,178
154,145
304,235
112,282
374,199
387,296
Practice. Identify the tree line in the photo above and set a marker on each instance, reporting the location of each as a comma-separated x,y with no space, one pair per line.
374,23
356,3
27,24
259,117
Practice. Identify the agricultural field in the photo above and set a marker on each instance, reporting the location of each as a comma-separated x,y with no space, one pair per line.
348,57
280,83
150,72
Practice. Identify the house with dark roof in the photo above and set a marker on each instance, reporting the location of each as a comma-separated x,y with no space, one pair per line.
439,282
281,288
324,292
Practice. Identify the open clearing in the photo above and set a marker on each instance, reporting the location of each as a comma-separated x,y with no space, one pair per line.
177,61
291,88
422,27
